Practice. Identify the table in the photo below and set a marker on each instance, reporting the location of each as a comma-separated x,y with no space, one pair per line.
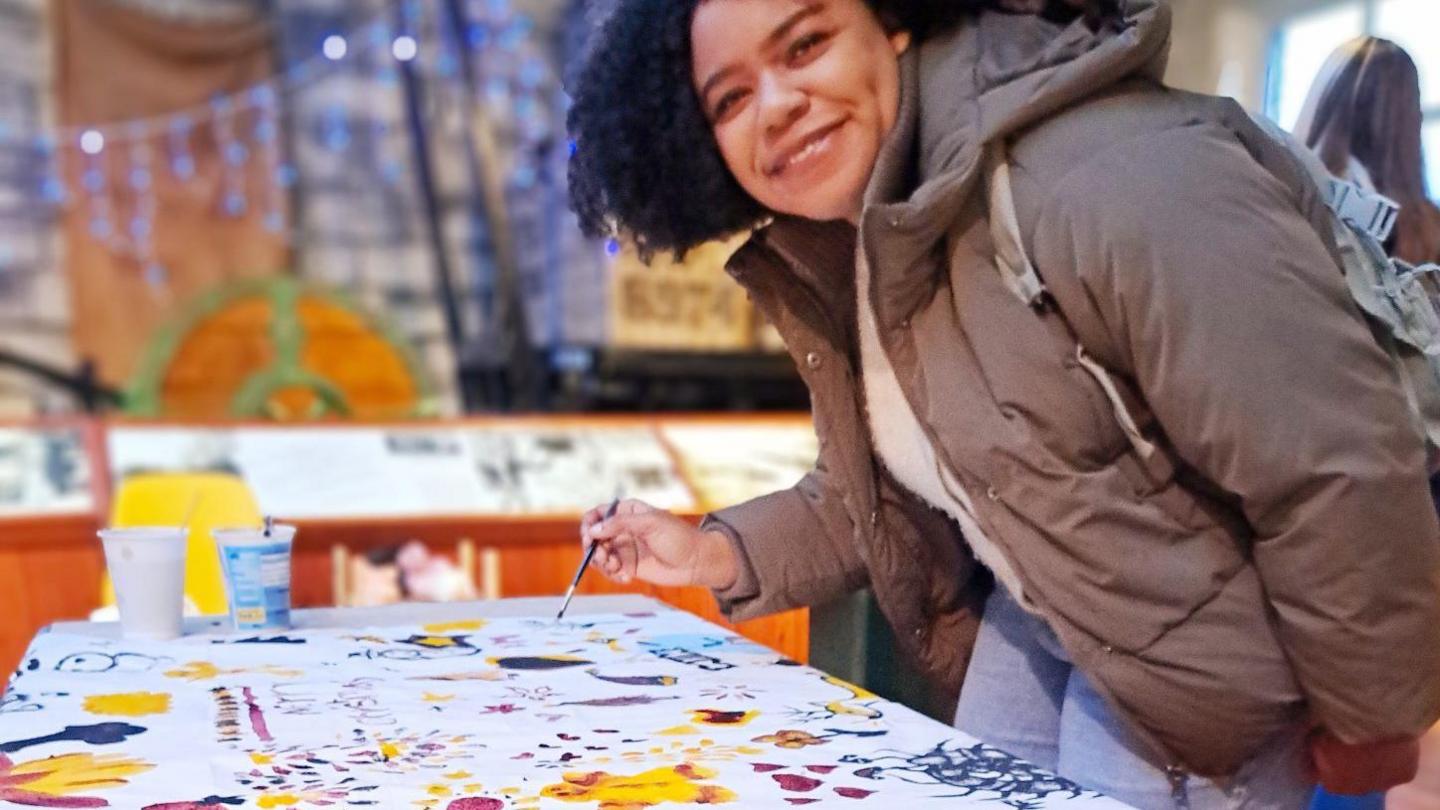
625,705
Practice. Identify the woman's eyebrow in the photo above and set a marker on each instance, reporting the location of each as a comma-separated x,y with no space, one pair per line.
781,31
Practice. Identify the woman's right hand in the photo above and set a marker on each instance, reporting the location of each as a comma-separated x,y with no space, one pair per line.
642,542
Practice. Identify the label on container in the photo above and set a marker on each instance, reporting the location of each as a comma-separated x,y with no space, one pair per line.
259,580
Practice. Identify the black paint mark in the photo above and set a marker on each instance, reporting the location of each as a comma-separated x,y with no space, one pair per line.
100,734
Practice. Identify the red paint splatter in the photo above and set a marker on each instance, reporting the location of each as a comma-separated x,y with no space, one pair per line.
802,801
820,768
761,767
526,755
853,793
799,784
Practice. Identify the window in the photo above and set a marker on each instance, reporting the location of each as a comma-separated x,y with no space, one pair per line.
1304,42
1301,50
1413,25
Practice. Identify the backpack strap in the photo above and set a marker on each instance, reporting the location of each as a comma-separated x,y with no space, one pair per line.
1011,259
1022,279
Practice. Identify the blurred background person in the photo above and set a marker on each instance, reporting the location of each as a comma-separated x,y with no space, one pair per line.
1363,118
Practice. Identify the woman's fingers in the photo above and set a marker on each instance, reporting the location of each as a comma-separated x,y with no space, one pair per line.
628,555
617,552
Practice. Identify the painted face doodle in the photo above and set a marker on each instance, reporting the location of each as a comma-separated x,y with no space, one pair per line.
538,694
97,662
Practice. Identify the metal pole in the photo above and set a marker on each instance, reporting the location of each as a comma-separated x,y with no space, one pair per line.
430,204
511,329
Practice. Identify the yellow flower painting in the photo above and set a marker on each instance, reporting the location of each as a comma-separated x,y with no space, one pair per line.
55,781
678,784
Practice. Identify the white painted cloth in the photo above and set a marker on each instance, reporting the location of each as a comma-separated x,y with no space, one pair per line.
613,711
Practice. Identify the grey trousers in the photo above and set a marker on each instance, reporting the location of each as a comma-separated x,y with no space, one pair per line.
1022,695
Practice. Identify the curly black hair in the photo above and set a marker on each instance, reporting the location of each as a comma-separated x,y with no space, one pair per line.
645,162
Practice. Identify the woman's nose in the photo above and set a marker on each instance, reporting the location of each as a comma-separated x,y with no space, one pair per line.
781,104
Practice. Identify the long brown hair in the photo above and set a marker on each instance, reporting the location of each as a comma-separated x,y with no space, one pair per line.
1365,105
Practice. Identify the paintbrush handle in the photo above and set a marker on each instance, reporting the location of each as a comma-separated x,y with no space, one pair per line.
585,563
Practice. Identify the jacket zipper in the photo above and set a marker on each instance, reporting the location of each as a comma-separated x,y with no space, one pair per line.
1179,786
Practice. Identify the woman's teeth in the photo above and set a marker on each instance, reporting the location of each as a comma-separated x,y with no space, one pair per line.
810,149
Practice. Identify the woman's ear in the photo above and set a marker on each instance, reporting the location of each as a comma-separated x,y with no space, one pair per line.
900,41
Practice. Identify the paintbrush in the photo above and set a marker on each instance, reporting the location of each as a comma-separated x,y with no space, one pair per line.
585,562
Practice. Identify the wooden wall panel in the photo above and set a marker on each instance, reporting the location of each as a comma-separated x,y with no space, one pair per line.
46,575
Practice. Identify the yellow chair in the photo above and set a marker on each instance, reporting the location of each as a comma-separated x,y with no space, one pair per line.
208,501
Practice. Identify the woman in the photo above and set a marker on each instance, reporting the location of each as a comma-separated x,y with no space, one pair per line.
1185,594
1363,118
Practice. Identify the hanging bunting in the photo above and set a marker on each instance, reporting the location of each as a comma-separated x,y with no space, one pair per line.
267,137
141,181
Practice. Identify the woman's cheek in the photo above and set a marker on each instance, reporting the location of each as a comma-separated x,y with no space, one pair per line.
736,148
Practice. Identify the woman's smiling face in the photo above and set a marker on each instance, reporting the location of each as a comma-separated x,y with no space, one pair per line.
800,95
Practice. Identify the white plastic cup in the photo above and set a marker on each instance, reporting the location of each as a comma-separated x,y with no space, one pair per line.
257,575
147,567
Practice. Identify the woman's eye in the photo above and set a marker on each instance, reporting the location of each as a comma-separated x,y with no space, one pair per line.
727,103
803,46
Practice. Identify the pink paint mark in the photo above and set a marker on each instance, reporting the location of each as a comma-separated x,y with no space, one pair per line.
802,801
764,767
799,784
526,755
475,803
257,717
853,793
820,768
